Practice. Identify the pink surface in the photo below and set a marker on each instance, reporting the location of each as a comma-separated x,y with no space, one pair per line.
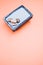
24,46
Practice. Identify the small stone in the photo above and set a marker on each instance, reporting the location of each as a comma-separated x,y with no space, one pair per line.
14,22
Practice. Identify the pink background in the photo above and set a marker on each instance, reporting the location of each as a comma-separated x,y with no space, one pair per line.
24,46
